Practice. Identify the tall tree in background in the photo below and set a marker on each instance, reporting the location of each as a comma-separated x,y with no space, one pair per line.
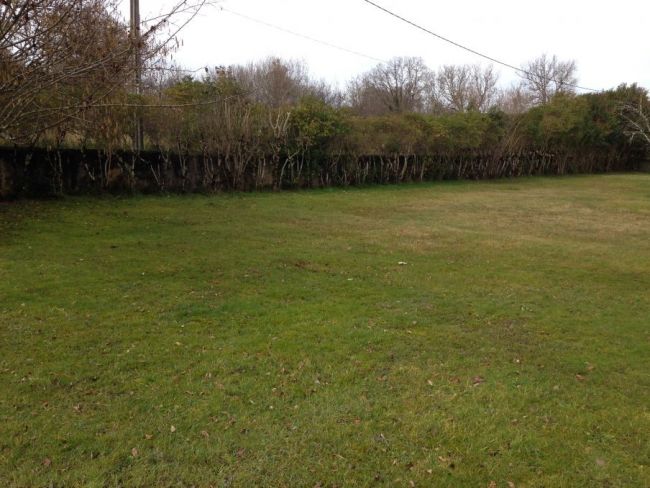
514,99
452,87
398,86
467,88
483,88
545,77
273,82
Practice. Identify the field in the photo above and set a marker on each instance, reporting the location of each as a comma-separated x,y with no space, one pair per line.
490,334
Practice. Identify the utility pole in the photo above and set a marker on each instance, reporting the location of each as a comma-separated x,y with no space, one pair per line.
138,136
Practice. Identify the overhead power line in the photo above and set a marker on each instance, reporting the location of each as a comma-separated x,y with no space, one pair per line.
309,38
465,48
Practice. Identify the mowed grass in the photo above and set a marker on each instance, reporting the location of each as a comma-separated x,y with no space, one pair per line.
276,340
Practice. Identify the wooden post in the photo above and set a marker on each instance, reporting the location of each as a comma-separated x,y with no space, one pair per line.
138,136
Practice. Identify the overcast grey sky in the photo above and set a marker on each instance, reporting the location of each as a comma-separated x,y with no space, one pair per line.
608,40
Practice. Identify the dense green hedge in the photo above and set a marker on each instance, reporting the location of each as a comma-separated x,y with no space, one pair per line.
236,142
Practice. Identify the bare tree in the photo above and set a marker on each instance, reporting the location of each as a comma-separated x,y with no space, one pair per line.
464,88
273,82
483,88
453,88
514,100
363,98
545,76
401,85
329,94
59,58
637,121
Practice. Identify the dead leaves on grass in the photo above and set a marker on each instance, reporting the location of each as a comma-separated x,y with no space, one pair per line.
447,461
583,376
477,381
456,380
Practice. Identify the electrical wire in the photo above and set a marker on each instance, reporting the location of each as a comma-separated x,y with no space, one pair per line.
477,53
297,34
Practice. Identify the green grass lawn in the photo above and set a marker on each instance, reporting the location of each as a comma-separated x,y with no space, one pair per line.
276,340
